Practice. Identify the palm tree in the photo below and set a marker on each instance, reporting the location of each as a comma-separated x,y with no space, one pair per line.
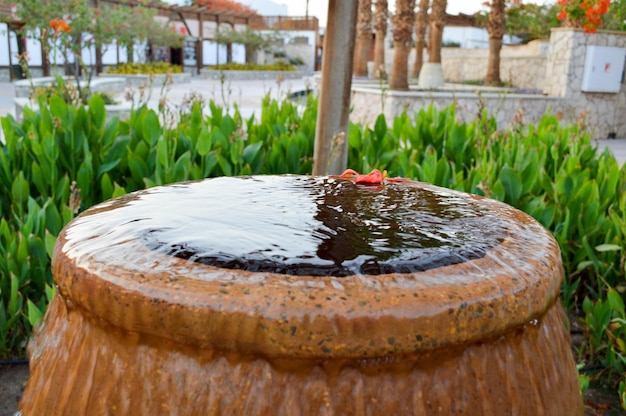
363,37
421,24
381,13
496,29
403,21
437,23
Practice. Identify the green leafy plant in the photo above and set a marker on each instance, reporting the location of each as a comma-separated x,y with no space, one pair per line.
65,158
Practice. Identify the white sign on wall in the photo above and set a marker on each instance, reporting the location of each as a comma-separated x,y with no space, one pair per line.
604,66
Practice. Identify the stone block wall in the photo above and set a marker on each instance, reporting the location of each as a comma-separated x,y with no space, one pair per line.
508,109
564,78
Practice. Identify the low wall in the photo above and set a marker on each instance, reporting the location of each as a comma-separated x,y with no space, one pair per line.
522,72
522,66
508,109
249,75
138,80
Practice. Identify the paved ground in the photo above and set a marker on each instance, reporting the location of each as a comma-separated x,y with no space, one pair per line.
247,95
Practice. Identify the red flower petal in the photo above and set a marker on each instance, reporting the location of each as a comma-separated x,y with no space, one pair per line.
372,178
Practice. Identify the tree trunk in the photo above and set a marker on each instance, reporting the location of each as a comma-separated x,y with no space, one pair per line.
421,24
380,25
399,71
496,29
437,23
403,22
493,62
363,37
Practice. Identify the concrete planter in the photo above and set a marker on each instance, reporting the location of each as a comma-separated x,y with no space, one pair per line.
157,80
110,85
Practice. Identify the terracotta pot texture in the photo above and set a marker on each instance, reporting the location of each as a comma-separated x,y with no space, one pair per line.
135,331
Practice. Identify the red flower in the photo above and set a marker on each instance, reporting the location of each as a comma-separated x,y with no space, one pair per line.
562,15
59,26
375,177
589,29
561,2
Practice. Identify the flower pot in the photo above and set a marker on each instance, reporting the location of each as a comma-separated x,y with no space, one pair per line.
294,295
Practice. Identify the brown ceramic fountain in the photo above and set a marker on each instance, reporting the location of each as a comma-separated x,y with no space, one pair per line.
292,295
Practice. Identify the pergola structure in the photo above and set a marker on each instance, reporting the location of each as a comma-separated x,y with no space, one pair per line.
171,12
8,16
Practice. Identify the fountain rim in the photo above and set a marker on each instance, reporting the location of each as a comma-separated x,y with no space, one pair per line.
256,313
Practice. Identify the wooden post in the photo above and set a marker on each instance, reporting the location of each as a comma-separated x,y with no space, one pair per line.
98,63
331,137
200,43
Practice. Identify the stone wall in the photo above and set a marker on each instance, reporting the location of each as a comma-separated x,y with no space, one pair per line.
560,77
564,77
509,109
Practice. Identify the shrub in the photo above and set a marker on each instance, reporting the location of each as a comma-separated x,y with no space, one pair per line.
68,90
151,68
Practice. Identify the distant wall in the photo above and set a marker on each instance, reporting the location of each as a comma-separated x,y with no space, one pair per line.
521,66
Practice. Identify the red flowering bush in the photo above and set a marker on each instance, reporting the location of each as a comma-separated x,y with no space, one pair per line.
583,13
59,26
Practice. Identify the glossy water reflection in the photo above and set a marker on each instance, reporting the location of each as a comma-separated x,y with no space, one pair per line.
311,226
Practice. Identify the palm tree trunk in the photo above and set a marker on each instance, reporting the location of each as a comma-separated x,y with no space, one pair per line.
380,25
496,29
403,22
421,24
437,23
363,37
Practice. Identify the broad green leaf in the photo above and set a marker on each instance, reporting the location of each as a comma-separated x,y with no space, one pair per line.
50,241
106,186
151,128
251,151
204,142
616,301
34,314
20,191
512,184
608,247
107,167
97,111
380,127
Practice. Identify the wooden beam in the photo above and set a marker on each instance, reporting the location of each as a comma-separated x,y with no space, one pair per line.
331,137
